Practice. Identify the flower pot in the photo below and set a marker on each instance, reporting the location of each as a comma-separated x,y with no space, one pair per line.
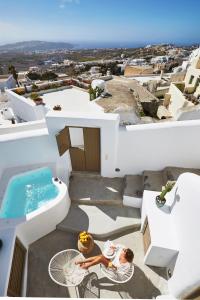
39,101
86,248
160,201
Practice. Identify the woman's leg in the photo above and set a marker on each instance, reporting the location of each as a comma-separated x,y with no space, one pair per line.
79,262
95,261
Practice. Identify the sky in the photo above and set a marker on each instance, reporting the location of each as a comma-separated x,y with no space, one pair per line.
97,21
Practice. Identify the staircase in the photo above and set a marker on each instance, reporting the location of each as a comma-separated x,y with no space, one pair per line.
150,180
105,206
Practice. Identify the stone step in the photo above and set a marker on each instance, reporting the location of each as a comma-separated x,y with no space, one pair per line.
98,202
172,173
85,174
133,186
101,221
96,190
153,180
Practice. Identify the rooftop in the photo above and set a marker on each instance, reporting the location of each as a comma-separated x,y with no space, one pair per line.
70,99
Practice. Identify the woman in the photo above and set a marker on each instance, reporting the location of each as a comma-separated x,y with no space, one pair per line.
121,261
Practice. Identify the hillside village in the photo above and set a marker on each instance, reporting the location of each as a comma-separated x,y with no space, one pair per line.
141,90
96,151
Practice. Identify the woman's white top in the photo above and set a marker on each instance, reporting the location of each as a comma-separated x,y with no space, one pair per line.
114,256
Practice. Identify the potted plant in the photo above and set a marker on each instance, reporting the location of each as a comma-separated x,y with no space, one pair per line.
34,87
57,107
160,199
36,98
85,242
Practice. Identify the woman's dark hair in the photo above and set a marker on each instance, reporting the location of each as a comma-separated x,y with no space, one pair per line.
129,255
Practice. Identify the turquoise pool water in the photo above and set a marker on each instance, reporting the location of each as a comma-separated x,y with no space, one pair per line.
27,192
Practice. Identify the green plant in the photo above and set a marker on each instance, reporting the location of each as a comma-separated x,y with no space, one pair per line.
34,96
94,93
168,187
91,93
48,75
34,76
14,73
34,87
141,113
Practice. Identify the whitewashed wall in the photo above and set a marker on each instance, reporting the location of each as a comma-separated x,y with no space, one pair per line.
32,147
192,71
25,108
108,124
155,146
186,224
177,101
189,114
20,127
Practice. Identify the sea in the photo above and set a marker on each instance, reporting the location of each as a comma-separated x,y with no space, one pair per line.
111,45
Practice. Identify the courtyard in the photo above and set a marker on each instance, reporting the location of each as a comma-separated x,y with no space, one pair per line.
147,282
91,207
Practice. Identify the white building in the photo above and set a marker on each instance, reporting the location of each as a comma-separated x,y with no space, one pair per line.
160,59
137,62
7,82
182,100
61,139
34,69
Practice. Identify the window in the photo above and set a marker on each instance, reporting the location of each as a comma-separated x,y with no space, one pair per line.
76,136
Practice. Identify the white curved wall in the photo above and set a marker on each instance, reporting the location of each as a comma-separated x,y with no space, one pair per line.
42,221
186,223
29,229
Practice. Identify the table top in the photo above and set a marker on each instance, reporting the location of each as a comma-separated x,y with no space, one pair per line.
63,270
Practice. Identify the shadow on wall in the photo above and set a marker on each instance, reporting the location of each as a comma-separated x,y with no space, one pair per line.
139,287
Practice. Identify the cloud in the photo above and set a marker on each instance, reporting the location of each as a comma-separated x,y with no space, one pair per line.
63,3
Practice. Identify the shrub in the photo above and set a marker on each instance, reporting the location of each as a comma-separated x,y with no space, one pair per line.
48,75
34,96
34,76
34,87
141,113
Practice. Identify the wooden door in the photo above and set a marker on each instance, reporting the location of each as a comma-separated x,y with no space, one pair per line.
77,159
17,269
195,295
63,140
92,149
146,236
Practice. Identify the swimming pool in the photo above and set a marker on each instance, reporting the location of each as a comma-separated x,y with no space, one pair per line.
28,192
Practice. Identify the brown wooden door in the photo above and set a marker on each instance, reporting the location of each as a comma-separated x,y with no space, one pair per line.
146,236
77,159
92,149
195,295
17,268
63,140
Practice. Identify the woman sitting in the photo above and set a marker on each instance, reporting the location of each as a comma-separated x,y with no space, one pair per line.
121,262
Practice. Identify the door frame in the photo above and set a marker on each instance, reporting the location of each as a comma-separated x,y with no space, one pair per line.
64,143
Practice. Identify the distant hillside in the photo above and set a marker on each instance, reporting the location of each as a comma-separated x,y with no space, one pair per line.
35,46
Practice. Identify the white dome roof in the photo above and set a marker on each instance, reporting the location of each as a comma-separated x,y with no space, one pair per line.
98,83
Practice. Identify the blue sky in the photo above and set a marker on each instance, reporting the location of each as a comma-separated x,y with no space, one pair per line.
100,20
